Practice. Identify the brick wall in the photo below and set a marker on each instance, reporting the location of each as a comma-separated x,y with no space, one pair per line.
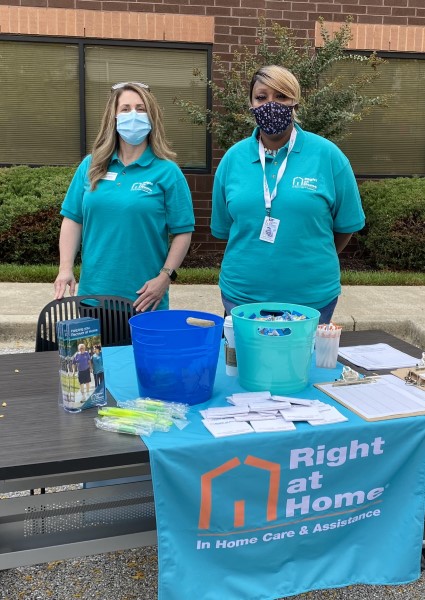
393,24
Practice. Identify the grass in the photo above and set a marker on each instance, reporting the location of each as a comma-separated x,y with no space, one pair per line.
382,278
47,274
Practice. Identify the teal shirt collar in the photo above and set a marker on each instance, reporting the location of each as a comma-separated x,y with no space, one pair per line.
254,142
144,159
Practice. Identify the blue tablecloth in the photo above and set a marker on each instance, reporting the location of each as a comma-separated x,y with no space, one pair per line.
261,516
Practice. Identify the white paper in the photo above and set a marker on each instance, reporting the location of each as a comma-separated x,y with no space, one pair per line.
377,356
237,402
323,407
256,417
332,415
221,421
267,405
223,411
275,425
300,413
244,397
227,429
300,401
388,396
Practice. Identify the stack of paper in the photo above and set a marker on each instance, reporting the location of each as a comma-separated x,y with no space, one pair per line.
377,356
261,412
387,397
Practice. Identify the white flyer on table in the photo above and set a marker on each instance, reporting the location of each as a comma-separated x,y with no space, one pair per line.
228,428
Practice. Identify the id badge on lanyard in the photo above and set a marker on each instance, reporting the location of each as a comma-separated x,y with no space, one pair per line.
270,225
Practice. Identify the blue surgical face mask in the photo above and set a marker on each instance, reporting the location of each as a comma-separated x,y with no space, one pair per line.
133,127
273,117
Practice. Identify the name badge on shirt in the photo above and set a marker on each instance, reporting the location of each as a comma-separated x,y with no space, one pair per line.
110,176
269,229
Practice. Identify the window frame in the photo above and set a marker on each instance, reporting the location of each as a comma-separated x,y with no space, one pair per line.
82,42
386,55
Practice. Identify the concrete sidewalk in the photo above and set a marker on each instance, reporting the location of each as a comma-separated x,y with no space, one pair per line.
398,310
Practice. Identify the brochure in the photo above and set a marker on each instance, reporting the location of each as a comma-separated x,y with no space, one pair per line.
82,383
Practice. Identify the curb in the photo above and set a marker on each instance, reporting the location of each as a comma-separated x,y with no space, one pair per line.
23,332
18,332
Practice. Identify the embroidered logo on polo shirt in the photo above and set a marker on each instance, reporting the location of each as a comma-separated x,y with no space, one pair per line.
144,186
306,183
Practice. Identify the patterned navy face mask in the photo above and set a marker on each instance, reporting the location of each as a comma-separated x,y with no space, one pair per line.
273,117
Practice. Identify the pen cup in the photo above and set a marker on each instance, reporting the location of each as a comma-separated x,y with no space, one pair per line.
327,346
229,347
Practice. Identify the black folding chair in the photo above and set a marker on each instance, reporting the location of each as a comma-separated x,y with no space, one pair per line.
113,313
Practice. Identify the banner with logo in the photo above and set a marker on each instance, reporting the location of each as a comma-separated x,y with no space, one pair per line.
265,516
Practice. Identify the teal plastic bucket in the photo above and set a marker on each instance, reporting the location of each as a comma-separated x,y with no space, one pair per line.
176,354
281,363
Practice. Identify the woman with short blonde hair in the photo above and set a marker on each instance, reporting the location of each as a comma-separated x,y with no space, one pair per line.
281,80
287,202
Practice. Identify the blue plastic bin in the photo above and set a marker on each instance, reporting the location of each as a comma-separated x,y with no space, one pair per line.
278,364
175,360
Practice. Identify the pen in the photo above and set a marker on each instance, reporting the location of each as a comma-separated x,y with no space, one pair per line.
171,409
341,382
118,427
153,420
125,412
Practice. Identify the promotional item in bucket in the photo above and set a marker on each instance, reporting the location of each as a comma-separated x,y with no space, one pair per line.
327,345
176,354
229,347
81,375
275,355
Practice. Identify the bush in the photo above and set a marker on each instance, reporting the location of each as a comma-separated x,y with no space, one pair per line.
329,101
30,201
394,236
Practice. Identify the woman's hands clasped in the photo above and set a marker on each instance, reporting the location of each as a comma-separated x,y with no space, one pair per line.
151,294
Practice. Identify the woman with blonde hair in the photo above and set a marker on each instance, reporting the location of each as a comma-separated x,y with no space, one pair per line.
287,203
124,202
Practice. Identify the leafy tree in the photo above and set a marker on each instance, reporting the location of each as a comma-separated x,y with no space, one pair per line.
330,102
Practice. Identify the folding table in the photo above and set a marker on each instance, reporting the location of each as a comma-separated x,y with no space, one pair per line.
42,446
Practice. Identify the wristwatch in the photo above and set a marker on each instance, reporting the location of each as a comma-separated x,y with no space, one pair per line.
172,274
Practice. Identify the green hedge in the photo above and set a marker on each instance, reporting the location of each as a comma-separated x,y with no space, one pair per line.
30,201
394,236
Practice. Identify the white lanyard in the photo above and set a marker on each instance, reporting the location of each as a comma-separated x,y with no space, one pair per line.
268,198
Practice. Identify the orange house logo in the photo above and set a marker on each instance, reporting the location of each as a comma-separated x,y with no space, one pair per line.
207,480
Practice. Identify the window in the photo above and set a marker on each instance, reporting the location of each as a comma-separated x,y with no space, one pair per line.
54,94
390,141
39,107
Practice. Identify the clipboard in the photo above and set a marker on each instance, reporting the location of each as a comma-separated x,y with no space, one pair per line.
417,373
372,393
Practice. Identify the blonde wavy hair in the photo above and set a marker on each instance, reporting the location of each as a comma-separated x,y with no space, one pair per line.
279,79
107,139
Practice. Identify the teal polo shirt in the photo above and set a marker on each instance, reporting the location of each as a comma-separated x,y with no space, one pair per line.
317,196
126,222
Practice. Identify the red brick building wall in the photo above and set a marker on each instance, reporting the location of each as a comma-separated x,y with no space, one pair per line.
395,25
